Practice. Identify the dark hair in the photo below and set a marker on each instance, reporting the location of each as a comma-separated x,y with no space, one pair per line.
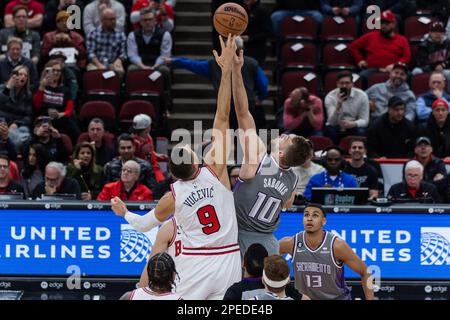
333,147
359,139
97,120
344,74
4,157
161,272
183,170
298,152
78,148
18,8
42,157
254,259
276,269
125,137
317,206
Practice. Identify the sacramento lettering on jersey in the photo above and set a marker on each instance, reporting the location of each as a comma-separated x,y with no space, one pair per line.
313,267
198,195
275,184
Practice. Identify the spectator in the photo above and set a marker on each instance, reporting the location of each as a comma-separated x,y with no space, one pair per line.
71,43
437,91
128,188
56,182
54,99
53,7
13,59
258,30
342,8
380,93
104,152
69,74
31,46
35,13
164,13
303,113
34,167
45,134
16,106
94,11
392,135
233,174
6,145
414,189
378,51
333,176
83,169
143,144
106,46
433,53
126,152
437,129
6,184
347,109
365,174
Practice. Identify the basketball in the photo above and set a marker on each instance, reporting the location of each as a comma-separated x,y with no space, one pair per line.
230,18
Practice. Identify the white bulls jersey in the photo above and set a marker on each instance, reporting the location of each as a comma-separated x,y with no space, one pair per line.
147,294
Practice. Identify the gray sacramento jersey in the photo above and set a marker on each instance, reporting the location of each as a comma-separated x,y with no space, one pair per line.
258,201
269,296
317,273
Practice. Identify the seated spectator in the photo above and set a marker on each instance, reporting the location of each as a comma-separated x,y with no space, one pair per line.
380,50
437,91
45,134
83,169
128,188
93,12
103,151
365,174
251,284
233,174
437,128
16,105
380,93
6,184
342,8
303,113
54,99
34,167
400,8
56,182
14,59
31,46
7,147
69,42
414,188
53,7
164,13
434,52
69,75
106,47
347,109
392,135
333,176
126,152
35,13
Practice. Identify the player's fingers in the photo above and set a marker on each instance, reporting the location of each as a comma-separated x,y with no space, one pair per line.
222,44
229,44
241,54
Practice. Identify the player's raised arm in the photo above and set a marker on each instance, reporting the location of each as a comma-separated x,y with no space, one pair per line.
344,253
252,145
155,217
287,245
217,157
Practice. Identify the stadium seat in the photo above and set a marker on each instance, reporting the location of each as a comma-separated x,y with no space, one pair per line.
108,137
67,143
331,79
133,107
295,79
342,32
337,56
419,83
299,56
320,142
305,29
96,87
97,109
377,78
344,144
414,29
140,87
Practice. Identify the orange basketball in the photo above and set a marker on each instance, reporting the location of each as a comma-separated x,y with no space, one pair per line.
230,18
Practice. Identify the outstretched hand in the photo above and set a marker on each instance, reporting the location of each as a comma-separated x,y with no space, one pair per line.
228,51
238,61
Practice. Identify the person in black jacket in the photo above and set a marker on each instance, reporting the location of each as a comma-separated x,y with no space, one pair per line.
413,188
437,129
392,135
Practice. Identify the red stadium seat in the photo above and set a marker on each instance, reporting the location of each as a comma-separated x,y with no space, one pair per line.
304,30
96,87
97,109
303,57
331,79
333,31
336,58
377,78
140,87
419,83
133,107
109,138
320,142
414,29
292,80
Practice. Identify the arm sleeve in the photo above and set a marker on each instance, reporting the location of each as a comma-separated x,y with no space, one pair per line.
326,8
421,109
356,47
132,48
142,223
406,55
410,107
166,48
69,108
90,44
199,67
330,105
317,106
104,195
364,113
261,83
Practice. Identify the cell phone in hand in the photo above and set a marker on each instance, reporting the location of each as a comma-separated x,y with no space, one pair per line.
2,120
343,92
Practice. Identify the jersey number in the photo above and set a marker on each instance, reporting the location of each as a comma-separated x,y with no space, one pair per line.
208,217
269,210
313,281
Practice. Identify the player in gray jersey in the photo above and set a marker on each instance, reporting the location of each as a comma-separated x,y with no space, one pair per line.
318,259
266,182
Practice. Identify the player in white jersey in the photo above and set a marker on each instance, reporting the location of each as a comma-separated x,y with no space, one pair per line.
203,204
161,279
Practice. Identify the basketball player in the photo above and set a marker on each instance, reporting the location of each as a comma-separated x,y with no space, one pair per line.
318,259
202,203
266,182
161,279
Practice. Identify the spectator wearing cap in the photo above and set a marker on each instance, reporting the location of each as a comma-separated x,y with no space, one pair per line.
379,50
92,15
437,91
414,188
347,109
380,93
31,47
437,128
433,53
103,150
35,13
143,143
53,7
69,74
128,188
6,184
392,135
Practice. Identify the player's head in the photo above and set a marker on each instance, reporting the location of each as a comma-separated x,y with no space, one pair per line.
292,150
314,217
183,163
161,272
254,259
276,274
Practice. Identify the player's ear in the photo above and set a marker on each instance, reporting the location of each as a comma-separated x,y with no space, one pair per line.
324,221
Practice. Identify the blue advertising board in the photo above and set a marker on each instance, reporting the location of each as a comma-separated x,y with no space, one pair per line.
100,244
